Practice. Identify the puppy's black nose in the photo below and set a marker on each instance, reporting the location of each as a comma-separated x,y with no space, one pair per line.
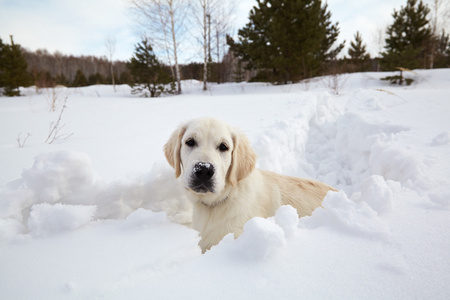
203,171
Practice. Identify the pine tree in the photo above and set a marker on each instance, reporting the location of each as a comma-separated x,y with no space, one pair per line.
61,80
13,69
238,72
149,75
96,78
357,50
358,54
80,79
442,51
2,47
408,38
290,39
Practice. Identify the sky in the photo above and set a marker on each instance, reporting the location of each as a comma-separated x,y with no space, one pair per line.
80,27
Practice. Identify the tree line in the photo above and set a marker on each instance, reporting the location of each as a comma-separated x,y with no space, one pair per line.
22,67
284,41
47,70
40,68
309,47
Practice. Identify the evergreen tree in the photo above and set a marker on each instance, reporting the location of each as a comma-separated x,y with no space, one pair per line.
43,79
125,78
80,79
357,50
291,39
13,69
442,51
149,75
2,47
96,78
238,73
61,79
358,54
408,38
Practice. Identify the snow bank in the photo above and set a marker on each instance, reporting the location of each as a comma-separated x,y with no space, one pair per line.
60,190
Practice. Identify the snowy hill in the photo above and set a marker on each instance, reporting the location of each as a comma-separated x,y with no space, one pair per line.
99,214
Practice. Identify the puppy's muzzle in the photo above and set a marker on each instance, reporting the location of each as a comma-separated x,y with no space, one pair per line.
202,177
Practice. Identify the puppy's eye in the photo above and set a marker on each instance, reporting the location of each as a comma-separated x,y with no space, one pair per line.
223,147
191,143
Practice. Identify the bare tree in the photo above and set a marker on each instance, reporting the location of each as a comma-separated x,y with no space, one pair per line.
110,43
21,142
378,39
213,15
202,10
223,21
439,20
440,15
54,131
163,21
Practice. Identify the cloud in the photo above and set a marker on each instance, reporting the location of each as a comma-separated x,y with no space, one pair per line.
71,27
363,16
80,27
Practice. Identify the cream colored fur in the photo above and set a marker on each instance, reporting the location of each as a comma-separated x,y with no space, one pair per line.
241,191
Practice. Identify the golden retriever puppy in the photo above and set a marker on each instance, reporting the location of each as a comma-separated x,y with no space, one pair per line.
216,166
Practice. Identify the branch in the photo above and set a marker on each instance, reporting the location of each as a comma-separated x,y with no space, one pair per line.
54,130
21,142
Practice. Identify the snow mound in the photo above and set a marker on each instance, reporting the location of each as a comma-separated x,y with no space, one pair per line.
46,219
287,218
441,139
376,193
61,186
57,175
142,218
396,163
441,198
261,238
283,146
344,215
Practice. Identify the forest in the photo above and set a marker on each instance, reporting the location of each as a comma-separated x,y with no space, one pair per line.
263,50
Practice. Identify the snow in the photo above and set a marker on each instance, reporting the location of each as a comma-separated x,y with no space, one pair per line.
100,214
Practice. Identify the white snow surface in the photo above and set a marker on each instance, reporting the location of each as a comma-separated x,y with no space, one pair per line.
100,214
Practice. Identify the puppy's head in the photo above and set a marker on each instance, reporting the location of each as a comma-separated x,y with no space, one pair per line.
211,155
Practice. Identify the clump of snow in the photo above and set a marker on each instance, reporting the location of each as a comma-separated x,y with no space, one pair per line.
67,178
101,214
398,164
260,240
287,218
441,198
342,214
46,219
441,139
141,218
376,193
56,175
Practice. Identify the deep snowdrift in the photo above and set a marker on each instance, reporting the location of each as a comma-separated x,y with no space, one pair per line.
101,215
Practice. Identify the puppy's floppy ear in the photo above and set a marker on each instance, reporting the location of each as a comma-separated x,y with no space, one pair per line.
243,159
172,150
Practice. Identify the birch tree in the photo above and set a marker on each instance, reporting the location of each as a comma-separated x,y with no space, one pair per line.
202,12
223,21
163,21
215,16
440,13
110,43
